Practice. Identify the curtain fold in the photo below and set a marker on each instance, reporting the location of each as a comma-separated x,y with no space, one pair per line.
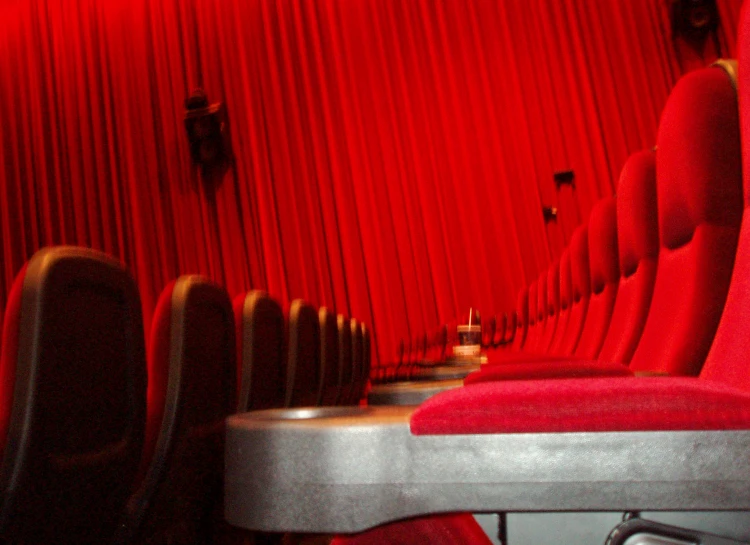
390,158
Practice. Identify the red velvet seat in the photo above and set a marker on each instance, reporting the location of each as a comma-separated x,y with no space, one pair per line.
303,356
73,400
566,296
638,246
192,389
329,357
260,325
522,319
552,309
488,331
580,276
500,331
604,278
699,192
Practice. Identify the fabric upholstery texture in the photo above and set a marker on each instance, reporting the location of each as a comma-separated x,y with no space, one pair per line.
585,405
546,369
699,192
604,276
638,248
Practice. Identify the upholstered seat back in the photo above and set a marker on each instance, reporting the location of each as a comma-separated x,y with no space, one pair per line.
193,370
699,197
522,318
303,356
580,275
260,340
605,277
553,306
566,297
638,246
72,398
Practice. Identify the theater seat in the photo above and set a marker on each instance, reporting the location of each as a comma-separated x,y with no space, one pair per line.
303,356
638,247
73,399
346,364
329,358
192,389
260,325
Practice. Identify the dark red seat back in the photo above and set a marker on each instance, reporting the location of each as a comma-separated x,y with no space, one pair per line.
604,267
638,246
329,357
580,276
192,344
73,401
566,298
727,360
358,364
260,340
346,364
303,356
552,309
522,318
532,329
699,192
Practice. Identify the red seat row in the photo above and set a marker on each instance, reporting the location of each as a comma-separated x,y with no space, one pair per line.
103,441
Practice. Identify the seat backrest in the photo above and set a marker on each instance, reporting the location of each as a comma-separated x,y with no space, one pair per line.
72,398
260,340
357,364
566,298
192,361
510,327
552,306
303,356
532,329
329,357
522,318
366,355
346,364
638,246
699,198
604,267
580,277
488,331
499,333
727,359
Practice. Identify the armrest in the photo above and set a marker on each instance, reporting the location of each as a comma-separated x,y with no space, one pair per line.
348,469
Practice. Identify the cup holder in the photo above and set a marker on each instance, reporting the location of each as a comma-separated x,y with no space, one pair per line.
307,413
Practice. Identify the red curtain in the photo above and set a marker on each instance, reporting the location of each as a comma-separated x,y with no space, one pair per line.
391,157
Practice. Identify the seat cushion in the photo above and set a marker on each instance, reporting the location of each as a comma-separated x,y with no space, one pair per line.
547,370
585,405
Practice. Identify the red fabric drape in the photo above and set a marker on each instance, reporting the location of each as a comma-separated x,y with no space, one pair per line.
392,157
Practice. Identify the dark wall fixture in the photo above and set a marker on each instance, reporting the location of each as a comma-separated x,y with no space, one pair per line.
549,213
564,177
208,135
694,19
